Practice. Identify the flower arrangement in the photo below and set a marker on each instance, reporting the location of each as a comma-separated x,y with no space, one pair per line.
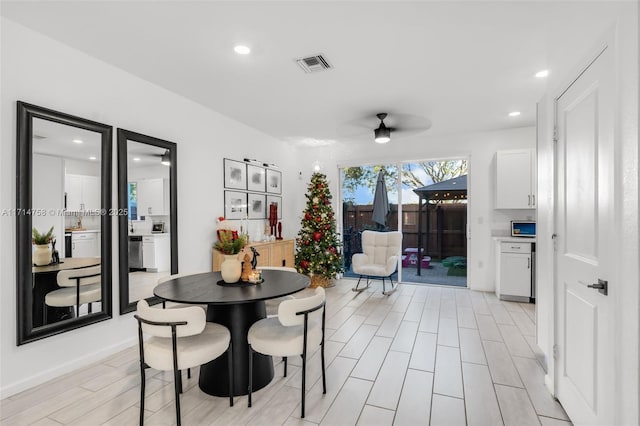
229,242
41,238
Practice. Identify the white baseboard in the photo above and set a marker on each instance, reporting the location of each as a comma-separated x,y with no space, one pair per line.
59,370
548,382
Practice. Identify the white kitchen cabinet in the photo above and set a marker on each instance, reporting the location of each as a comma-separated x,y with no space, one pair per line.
516,179
515,266
156,252
85,244
153,197
83,192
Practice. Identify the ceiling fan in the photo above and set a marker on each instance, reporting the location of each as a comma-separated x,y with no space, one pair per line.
384,126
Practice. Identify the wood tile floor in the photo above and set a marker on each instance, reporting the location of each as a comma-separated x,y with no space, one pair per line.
424,355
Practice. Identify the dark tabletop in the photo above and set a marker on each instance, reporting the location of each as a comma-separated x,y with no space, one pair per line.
204,288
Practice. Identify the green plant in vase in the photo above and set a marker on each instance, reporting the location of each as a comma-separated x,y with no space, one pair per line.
42,253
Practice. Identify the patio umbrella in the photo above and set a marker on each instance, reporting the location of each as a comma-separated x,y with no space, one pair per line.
380,202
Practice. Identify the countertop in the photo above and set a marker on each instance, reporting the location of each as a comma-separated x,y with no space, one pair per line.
72,230
515,239
149,234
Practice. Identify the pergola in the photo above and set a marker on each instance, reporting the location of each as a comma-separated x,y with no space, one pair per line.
452,189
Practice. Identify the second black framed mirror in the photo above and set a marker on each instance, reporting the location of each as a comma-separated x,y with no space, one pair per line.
147,189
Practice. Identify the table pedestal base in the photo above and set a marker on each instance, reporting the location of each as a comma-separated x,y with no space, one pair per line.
213,375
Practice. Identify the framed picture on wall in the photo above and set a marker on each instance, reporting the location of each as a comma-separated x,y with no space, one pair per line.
255,178
235,205
256,206
271,199
274,181
235,174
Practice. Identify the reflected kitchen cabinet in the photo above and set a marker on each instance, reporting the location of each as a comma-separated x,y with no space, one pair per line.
153,197
82,192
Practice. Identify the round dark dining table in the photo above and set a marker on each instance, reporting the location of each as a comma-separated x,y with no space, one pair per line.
237,307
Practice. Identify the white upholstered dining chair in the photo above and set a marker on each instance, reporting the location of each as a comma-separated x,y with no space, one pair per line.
379,258
180,338
272,304
78,286
298,326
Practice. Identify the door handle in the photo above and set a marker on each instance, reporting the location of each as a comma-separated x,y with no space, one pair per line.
528,263
533,198
529,202
602,286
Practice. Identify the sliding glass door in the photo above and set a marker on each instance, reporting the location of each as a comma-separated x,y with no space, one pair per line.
426,201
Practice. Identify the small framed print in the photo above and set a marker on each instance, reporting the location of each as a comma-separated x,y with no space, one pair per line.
235,205
235,174
255,178
256,206
274,181
272,199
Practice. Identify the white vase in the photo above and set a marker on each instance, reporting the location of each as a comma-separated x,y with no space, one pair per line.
41,255
231,268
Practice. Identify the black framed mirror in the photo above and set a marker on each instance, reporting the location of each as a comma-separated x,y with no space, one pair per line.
64,194
147,190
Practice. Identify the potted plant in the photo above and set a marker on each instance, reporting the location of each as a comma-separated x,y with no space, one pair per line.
230,244
42,252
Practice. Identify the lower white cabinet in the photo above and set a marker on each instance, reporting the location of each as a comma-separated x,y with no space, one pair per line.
515,271
85,244
156,253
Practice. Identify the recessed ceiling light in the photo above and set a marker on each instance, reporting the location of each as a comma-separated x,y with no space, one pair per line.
92,158
514,113
136,159
78,141
542,73
242,50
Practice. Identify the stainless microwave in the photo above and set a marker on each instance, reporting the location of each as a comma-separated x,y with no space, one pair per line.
523,228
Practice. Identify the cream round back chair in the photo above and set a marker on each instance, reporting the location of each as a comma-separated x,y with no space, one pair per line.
299,324
180,338
78,286
272,304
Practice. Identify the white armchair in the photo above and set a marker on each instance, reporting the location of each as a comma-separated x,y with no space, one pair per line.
381,252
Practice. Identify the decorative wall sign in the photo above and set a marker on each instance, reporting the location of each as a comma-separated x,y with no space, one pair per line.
255,178
277,200
235,205
235,174
274,181
256,206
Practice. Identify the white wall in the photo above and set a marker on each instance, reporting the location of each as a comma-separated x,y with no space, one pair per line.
480,149
624,32
44,72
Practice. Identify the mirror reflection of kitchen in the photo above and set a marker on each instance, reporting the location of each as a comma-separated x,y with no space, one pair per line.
149,211
66,195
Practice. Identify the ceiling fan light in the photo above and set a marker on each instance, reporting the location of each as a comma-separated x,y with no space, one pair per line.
382,134
166,159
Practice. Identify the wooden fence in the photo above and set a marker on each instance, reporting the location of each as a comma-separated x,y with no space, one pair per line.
446,235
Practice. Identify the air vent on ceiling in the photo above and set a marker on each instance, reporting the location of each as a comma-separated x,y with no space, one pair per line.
314,63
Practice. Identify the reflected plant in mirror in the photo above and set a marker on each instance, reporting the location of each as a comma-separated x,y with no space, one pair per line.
63,186
148,233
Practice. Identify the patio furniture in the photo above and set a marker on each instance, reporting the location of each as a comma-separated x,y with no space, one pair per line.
379,258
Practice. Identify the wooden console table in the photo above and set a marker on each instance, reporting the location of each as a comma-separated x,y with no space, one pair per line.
272,253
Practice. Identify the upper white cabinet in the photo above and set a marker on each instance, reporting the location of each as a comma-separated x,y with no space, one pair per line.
516,179
153,197
83,192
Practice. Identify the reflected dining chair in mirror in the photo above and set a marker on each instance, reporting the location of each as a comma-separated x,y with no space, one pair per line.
77,287
63,185
147,192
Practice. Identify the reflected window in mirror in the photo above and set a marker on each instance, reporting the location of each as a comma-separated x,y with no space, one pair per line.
63,224
148,238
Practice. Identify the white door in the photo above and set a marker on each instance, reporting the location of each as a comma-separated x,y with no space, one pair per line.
585,245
